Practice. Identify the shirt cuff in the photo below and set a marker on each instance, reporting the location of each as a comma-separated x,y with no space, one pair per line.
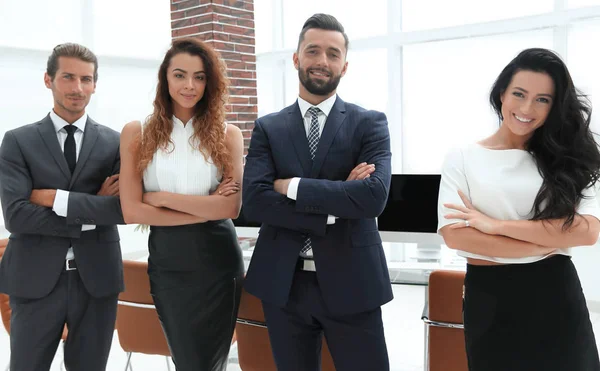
292,191
331,219
61,203
88,227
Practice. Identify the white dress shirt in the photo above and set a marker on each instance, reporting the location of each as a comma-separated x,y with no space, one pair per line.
325,108
61,200
181,168
502,184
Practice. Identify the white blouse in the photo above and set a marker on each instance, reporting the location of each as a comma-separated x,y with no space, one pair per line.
502,184
181,168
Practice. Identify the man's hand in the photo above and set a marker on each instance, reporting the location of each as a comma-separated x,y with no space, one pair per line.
281,185
361,171
43,197
110,187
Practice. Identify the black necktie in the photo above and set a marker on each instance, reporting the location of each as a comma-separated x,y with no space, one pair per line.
70,149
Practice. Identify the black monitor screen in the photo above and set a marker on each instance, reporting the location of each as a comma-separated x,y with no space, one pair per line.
412,204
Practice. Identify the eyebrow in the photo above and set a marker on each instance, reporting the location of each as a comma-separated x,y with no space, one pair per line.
539,95
74,74
313,46
184,71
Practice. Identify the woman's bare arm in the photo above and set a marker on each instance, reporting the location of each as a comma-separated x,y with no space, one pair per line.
131,189
215,206
473,241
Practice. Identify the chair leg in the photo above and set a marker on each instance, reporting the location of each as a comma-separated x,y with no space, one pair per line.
128,365
168,363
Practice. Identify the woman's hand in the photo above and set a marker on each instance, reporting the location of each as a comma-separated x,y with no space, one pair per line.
472,217
155,199
227,187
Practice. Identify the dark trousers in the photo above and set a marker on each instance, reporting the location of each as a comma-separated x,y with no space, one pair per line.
37,326
356,341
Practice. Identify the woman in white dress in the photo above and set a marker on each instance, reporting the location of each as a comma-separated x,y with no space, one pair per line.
514,205
180,173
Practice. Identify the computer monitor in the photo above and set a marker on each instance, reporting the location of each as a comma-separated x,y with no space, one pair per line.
410,214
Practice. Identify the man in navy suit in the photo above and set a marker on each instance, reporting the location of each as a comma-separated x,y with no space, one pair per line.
317,175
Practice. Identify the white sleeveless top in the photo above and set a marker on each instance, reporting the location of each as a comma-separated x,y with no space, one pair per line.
502,184
181,168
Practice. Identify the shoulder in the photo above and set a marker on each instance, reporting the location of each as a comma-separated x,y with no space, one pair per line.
105,130
276,117
131,130
24,130
363,113
233,135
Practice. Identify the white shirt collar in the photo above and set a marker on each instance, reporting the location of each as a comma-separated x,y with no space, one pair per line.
179,122
59,122
325,106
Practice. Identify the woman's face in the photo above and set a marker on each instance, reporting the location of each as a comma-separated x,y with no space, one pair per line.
526,102
187,80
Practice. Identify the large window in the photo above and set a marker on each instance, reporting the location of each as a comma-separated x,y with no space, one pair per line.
429,65
129,37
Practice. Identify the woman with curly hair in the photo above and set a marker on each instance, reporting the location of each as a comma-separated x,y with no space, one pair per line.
180,173
514,205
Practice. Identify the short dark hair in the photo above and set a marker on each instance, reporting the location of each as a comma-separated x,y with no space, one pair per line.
323,22
71,50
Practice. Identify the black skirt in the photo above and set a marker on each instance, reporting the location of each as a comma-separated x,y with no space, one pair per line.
196,274
528,317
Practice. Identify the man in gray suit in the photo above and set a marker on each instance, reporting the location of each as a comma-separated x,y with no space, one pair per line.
59,192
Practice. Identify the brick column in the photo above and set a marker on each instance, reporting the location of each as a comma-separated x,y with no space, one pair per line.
228,25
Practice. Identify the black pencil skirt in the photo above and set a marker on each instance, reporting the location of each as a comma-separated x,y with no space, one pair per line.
196,273
528,317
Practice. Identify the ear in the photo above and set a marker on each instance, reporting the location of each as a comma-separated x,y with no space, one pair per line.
344,69
93,91
47,80
502,97
295,58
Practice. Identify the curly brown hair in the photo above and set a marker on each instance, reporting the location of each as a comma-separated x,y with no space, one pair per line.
209,115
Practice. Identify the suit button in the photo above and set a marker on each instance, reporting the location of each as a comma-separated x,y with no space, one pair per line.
77,220
92,221
55,233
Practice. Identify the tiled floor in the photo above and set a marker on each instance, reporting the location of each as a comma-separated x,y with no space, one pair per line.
404,335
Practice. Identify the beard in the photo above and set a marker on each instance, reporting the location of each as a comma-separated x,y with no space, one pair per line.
318,87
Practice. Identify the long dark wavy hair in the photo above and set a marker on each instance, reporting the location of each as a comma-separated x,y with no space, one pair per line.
564,148
209,113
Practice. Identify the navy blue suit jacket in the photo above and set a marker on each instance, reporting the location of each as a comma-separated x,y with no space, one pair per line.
350,263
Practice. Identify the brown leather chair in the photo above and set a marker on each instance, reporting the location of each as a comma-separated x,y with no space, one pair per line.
254,347
444,330
138,326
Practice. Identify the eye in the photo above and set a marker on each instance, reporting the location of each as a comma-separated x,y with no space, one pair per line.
178,75
544,100
518,94
201,77
87,79
312,52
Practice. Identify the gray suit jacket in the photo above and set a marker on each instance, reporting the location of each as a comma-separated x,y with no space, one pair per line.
31,158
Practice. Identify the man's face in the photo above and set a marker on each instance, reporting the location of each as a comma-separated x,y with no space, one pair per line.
321,62
72,87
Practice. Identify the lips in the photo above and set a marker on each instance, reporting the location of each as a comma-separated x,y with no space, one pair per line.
319,73
522,119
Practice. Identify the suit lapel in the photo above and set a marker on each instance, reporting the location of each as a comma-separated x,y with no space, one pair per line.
295,124
332,125
48,134
90,135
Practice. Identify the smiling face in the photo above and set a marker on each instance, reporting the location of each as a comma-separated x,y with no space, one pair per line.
321,63
72,87
526,103
187,80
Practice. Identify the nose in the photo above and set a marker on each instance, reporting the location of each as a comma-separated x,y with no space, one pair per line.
189,83
77,87
526,107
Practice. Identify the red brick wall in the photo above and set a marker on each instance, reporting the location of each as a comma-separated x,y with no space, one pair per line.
228,25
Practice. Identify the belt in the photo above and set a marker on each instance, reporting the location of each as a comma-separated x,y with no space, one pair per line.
306,265
70,265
